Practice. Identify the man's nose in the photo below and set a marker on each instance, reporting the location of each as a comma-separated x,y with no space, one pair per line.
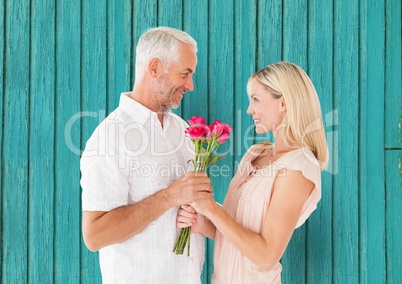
190,84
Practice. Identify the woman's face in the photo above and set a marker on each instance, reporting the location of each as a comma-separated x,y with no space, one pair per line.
266,110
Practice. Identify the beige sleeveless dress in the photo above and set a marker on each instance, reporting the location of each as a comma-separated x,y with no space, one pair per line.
247,202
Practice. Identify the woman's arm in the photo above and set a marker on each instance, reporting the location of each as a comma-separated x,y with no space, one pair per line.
290,191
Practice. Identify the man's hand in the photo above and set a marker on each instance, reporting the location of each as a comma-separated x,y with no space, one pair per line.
190,187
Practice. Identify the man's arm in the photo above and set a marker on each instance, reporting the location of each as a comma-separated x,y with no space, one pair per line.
102,228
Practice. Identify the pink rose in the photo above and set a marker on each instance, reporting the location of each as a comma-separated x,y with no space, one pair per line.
221,130
197,131
199,120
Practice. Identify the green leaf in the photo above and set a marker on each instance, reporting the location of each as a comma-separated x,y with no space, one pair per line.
213,160
221,157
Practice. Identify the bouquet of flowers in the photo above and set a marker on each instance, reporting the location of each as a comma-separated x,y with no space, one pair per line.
206,139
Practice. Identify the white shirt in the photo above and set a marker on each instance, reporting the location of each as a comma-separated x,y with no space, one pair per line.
128,158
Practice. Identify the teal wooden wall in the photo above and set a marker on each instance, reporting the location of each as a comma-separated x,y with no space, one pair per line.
63,64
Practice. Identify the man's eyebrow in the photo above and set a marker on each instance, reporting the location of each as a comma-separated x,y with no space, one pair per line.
189,70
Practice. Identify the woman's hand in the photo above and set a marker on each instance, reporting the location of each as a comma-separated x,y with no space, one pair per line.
204,206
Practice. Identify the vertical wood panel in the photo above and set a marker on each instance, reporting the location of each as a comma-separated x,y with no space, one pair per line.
81,59
67,143
144,17
195,23
270,32
345,199
319,224
15,142
2,55
93,97
295,50
119,47
221,94
245,35
393,168
220,84
371,148
170,15
393,86
41,142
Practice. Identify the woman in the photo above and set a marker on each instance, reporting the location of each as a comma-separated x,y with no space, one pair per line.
277,185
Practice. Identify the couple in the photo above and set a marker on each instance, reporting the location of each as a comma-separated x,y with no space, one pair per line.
133,218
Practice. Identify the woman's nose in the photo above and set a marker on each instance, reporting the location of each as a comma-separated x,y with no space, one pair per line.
250,109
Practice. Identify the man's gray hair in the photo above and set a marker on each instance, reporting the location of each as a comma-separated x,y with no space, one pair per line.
162,43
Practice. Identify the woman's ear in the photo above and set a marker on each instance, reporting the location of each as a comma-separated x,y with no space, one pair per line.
283,103
155,68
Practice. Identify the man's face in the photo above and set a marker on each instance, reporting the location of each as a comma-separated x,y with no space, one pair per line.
177,79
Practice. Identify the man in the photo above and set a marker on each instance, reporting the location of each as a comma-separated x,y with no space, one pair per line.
134,171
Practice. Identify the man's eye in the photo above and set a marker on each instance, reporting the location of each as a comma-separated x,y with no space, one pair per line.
255,100
184,75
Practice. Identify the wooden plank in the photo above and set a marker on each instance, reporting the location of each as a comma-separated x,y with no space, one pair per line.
371,148
15,142
119,51
93,98
67,144
2,68
245,54
220,88
295,50
195,23
393,86
170,15
144,17
319,225
195,19
393,168
269,43
269,39
41,142
346,102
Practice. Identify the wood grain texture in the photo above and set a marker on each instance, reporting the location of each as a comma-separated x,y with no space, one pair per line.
371,148
170,13
319,224
295,50
245,54
67,231
393,168
63,66
393,86
195,23
119,42
2,68
93,97
345,230
145,16
15,151
220,87
41,142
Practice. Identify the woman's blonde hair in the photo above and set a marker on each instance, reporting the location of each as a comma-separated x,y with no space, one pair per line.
303,118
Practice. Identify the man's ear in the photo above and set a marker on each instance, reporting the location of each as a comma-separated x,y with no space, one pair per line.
155,68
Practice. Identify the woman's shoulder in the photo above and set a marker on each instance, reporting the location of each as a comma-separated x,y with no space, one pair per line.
303,156
257,149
